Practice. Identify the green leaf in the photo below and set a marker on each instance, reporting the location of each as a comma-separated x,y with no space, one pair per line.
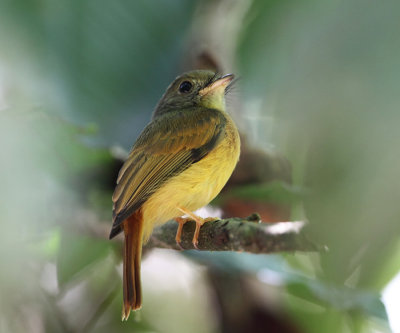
48,246
341,298
307,287
274,191
76,254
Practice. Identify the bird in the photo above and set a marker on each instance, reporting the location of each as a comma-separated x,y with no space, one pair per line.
178,164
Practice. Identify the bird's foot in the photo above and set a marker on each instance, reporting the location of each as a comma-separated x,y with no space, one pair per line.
181,221
199,223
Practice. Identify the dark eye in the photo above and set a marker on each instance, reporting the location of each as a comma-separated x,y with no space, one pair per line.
185,87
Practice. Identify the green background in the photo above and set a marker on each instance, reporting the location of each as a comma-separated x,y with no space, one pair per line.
319,83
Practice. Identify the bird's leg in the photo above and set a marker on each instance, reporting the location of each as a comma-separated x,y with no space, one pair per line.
199,222
181,221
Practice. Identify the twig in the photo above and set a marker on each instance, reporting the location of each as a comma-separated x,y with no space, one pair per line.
234,234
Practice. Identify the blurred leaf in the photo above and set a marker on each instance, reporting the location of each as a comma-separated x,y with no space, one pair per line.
76,254
390,268
345,299
95,61
49,246
297,282
326,86
275,191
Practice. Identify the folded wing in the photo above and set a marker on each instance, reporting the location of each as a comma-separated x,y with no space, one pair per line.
166,147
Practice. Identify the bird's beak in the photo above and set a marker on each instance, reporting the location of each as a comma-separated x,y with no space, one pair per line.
217,86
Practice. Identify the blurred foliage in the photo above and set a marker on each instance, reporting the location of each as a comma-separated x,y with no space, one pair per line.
319,83
93,60
274,191
334,105
297,282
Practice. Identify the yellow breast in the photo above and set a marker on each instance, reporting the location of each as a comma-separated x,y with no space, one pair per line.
196,186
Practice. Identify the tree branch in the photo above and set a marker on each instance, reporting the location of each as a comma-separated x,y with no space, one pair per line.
235,234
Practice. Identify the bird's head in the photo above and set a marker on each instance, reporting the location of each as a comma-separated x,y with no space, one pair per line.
201,88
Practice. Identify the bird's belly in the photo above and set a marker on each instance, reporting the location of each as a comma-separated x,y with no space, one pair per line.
193,188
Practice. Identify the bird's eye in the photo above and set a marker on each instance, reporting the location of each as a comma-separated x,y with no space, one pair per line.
185,87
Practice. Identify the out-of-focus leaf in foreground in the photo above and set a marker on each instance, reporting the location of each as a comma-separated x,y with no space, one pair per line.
77,253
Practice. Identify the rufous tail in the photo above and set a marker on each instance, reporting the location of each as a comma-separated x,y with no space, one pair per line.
133,230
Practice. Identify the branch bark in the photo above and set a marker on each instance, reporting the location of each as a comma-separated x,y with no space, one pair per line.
235,234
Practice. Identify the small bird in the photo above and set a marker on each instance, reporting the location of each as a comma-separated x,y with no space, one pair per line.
179,163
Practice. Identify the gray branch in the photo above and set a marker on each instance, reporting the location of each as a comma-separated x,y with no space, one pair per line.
235,234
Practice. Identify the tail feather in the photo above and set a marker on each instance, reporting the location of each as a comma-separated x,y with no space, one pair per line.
133,229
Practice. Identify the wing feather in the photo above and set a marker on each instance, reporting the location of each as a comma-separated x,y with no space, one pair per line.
166,147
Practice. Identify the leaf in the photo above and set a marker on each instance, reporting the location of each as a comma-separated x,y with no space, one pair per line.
76,254
299,284
341,298
274,191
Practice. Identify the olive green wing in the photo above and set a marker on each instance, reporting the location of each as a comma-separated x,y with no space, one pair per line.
166,147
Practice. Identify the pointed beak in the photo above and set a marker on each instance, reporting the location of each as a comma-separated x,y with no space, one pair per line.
218,85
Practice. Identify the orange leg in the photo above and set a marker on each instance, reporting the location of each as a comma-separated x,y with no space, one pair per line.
199,222
181,221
